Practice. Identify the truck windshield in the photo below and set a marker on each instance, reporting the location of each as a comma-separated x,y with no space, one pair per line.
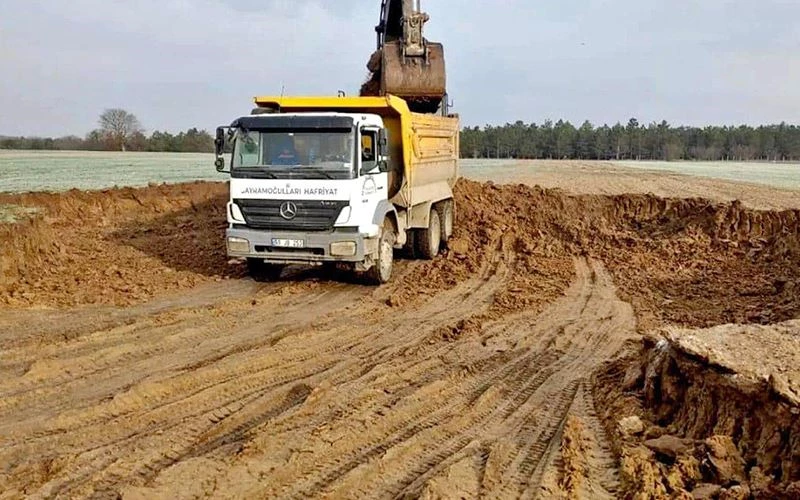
284,154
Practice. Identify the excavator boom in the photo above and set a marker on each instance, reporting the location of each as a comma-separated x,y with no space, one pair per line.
405,63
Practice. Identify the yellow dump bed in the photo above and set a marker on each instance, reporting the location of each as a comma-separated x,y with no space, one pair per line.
424,147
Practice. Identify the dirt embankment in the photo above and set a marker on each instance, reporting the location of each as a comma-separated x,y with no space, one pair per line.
687,262
118,246
686,421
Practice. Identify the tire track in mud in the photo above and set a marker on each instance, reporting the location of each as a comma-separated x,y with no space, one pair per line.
430,423
350,401
440,423
544,411
45,327
601,479
151,412
191,434
448,306
580,462
150,352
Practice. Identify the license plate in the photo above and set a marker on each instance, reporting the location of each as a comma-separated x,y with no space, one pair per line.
288,243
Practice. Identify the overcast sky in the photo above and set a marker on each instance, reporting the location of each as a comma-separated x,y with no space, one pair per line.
183,63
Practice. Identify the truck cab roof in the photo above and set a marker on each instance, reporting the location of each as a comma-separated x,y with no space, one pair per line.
312,120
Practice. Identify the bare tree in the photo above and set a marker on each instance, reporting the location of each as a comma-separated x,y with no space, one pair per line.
118,126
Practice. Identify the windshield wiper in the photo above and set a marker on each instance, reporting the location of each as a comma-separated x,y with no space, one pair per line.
255,174
312,170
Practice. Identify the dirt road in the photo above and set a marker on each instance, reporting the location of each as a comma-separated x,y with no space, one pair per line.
269,400
136,362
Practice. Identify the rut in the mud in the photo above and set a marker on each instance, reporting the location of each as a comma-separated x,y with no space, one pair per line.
471,373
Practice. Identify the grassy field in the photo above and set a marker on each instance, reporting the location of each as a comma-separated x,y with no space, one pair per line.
22,171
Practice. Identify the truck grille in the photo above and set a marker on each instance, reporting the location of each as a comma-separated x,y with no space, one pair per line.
311,215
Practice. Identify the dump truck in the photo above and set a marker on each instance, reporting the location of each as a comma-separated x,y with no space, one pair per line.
338,181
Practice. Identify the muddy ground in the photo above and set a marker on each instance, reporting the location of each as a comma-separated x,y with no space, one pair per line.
545,354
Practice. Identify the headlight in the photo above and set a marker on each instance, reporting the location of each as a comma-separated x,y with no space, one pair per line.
238,245
344,215
343,248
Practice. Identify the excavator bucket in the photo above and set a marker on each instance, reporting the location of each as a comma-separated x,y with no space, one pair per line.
405,63
420,80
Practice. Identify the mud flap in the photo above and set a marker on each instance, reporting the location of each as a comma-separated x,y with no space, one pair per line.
370,254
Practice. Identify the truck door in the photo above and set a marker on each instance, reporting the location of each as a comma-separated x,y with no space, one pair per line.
375,179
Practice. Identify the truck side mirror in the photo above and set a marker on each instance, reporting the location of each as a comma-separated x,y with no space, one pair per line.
383,141
219,142
220,164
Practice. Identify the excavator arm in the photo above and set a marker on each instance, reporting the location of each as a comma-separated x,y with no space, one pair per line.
405,63
402,20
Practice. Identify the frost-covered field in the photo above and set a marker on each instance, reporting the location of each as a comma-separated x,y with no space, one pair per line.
784,175
22,171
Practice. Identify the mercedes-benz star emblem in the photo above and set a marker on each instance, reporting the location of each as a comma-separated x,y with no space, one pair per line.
288,210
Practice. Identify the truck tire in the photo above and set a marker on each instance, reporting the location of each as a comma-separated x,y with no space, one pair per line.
381,271
447,217
262,272
429,240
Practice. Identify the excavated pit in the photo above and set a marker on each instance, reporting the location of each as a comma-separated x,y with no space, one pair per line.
688,263
707,413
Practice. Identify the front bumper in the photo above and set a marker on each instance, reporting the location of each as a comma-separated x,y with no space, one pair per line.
317,247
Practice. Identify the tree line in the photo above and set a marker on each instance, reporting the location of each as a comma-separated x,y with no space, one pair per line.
634,141
119,130
190,141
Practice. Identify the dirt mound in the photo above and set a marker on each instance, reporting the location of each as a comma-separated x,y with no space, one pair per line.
372,86
117,246
686,262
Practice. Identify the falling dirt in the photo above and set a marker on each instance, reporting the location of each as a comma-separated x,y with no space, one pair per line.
137,362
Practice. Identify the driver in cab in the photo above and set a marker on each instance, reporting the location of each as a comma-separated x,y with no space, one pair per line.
287,154
286,157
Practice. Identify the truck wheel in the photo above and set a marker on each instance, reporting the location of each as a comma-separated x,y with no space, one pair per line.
429,240
381,271
446,216
261,271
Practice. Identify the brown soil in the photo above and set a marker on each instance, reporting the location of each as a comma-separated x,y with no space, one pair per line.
729,394
372,86
501,369
117,246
